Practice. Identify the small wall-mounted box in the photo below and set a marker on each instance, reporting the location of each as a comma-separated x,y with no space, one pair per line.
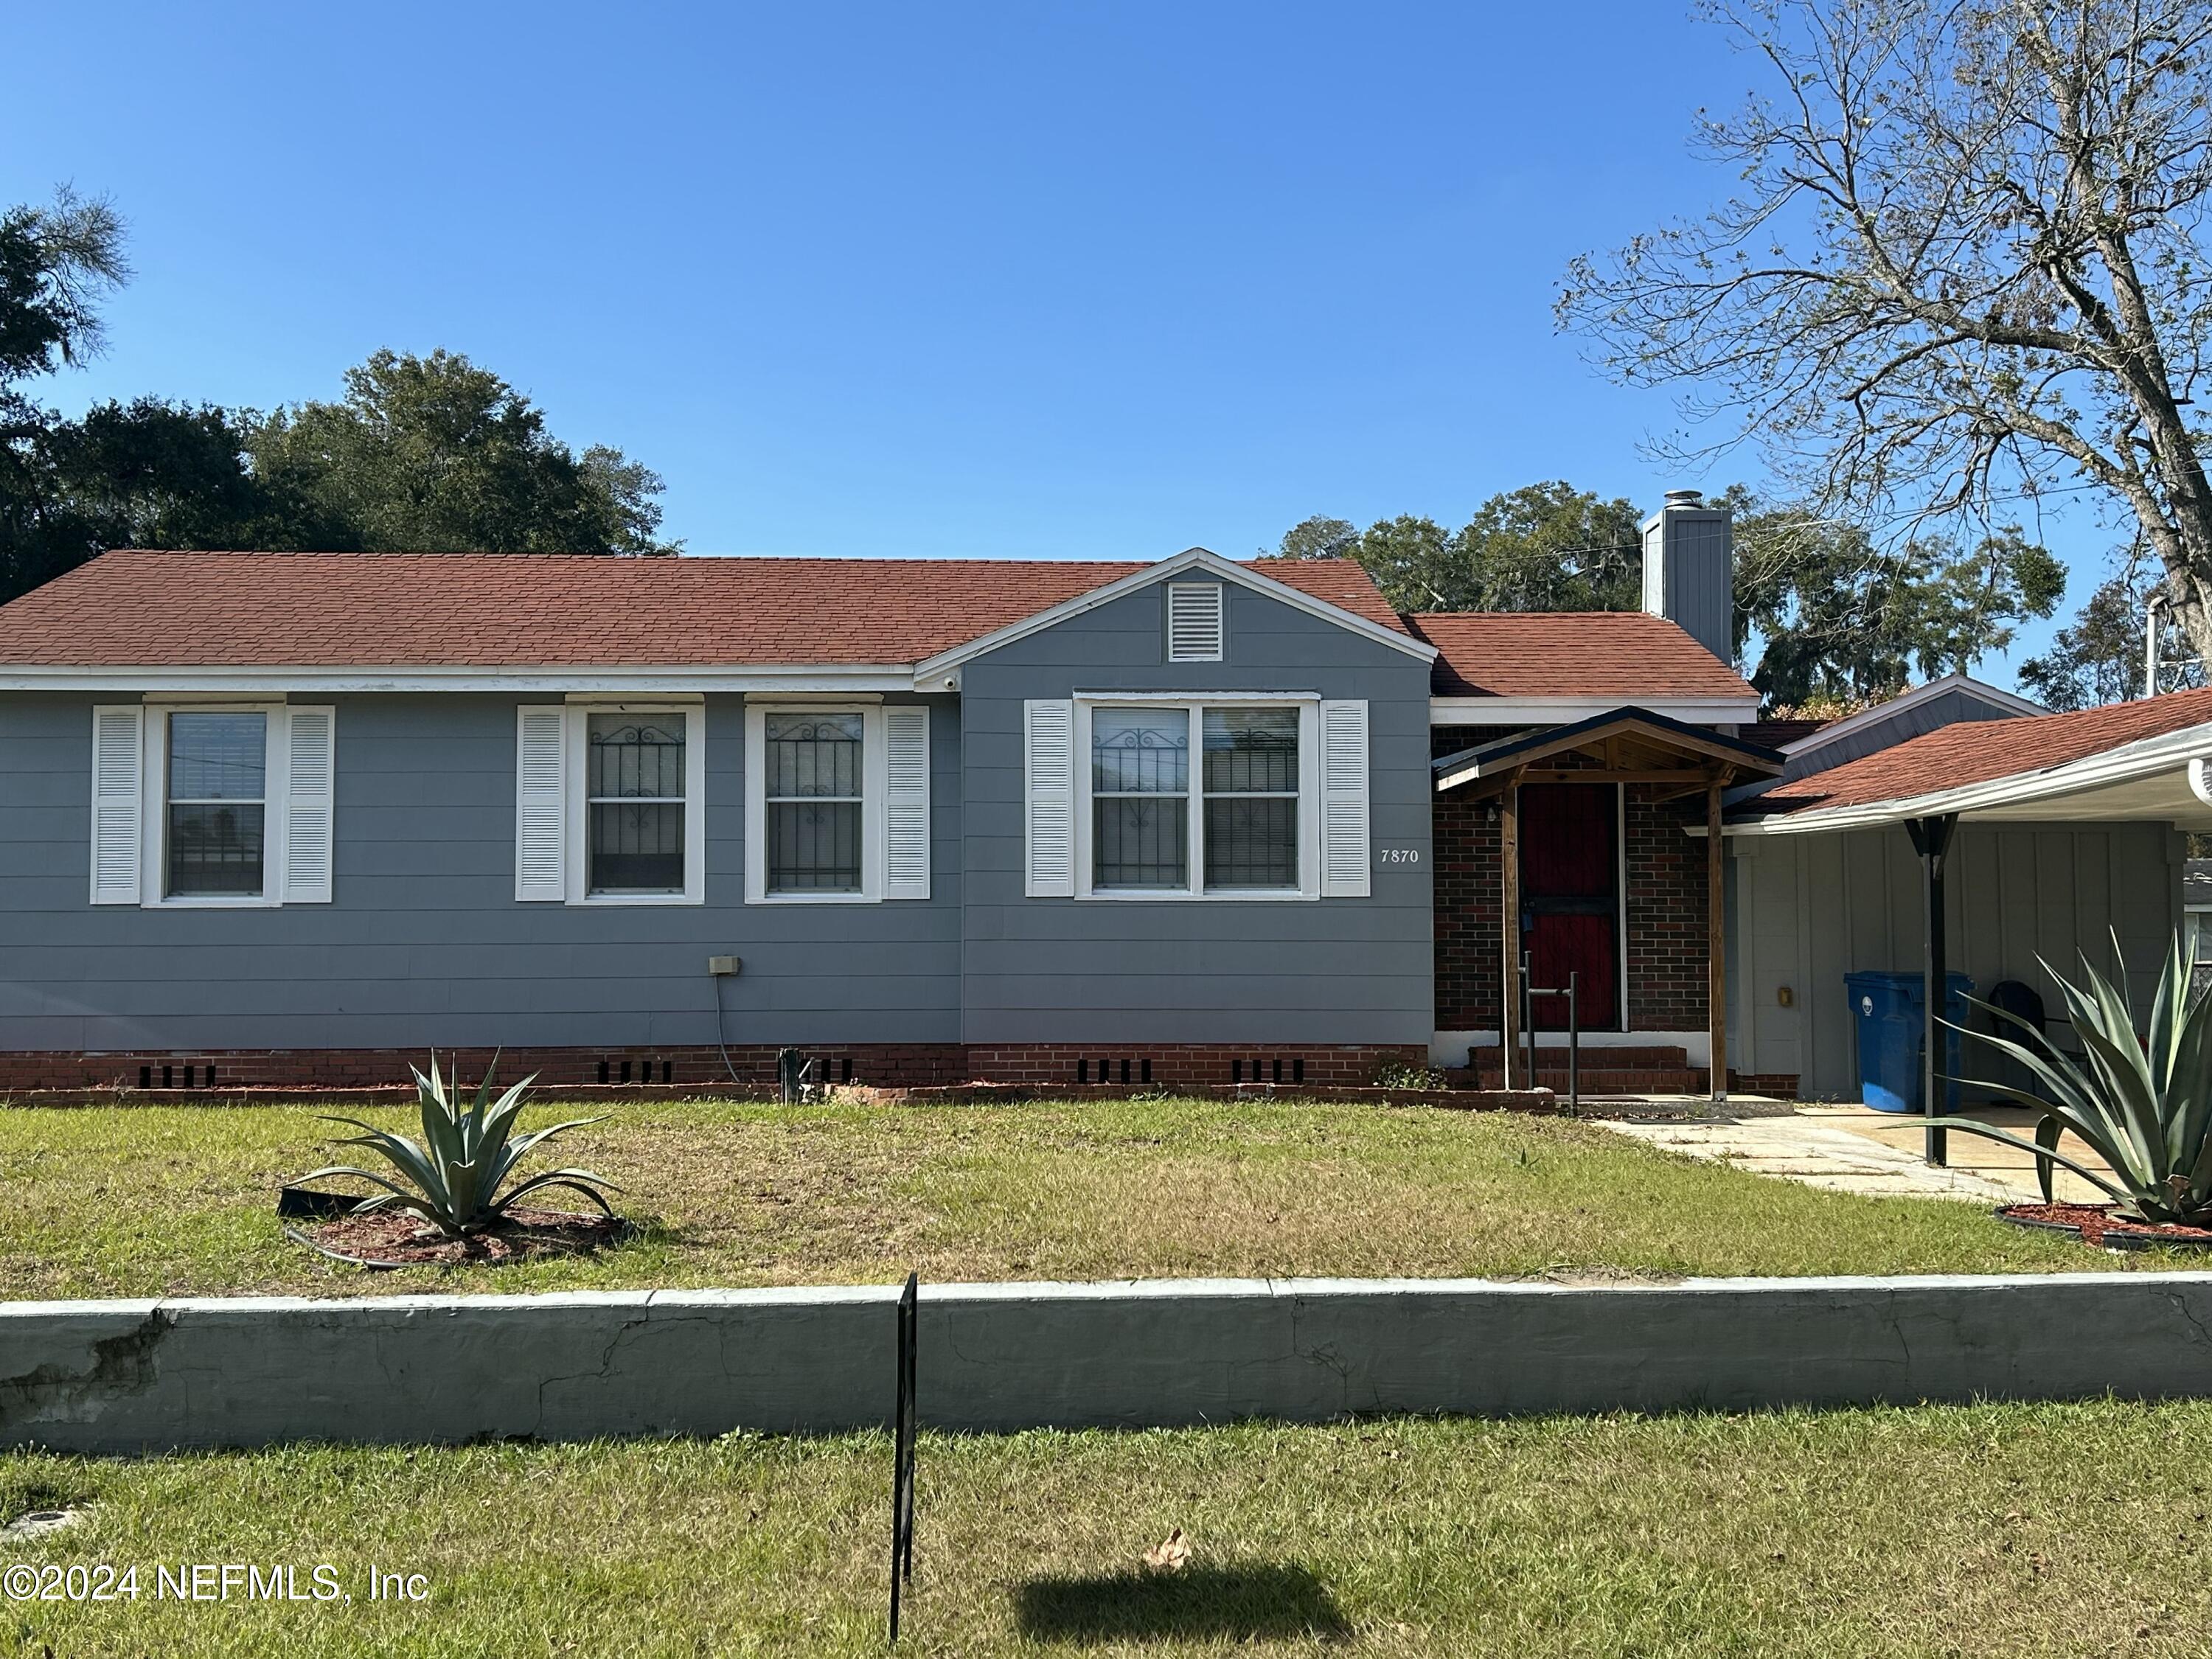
719,965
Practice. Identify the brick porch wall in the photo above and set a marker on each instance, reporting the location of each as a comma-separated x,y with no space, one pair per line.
883,1065
1668,956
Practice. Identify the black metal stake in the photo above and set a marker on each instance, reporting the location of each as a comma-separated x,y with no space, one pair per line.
902,1451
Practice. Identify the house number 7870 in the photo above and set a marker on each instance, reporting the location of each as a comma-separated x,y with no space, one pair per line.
1399,855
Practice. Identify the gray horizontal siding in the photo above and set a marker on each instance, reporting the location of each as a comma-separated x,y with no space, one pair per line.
425,943
1072,971
426,946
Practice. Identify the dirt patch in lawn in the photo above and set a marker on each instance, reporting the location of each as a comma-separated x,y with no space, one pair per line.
2101,1225
395,1238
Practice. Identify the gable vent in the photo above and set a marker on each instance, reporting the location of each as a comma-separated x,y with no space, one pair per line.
1195,622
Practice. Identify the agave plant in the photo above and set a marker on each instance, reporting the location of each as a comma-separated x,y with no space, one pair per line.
2143,1105
457,1177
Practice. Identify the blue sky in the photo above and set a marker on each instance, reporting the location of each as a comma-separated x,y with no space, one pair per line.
1015,280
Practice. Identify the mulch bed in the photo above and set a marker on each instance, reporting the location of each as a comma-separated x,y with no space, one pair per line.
2100,1226
387,1238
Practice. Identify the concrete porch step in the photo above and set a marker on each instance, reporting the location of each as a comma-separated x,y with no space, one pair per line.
1555,1054
1610,1082
1651,1069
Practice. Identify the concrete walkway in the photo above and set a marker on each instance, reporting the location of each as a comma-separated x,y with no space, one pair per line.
1828,1147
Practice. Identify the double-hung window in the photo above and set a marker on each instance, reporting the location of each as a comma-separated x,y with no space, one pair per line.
836,802
634,802
1203,798
216,833
213,803
812,798
608,802
1140,799
1250,768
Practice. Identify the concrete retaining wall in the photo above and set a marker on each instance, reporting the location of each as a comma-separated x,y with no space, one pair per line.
120,1377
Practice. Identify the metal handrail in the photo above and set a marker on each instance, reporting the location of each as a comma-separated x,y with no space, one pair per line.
1572,992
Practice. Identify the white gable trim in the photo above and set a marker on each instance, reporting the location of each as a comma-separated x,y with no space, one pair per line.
1565,710
934,674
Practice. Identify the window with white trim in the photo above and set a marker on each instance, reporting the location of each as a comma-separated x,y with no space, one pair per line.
1275,807
218,804
836,802
1140,798
812,800
1210,798
634,802
1250,771
609,800
212,804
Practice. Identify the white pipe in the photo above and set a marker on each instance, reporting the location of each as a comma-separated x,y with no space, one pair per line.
2150,644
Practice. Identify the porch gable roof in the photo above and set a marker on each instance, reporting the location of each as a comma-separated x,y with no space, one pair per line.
1624,738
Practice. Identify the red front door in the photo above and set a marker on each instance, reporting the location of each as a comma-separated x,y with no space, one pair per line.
1570,899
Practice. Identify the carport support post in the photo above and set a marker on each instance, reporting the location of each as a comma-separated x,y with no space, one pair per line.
1931,839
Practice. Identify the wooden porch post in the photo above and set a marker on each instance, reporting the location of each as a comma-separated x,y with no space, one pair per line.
1509,980
1717,943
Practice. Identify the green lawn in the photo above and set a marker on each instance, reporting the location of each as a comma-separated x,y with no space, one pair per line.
143,1201
1991,1530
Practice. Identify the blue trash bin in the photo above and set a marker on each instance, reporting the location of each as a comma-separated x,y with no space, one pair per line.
1889,1013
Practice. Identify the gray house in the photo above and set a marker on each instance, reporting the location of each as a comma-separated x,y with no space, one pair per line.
271,819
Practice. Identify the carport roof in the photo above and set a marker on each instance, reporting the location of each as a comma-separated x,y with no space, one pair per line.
2129,760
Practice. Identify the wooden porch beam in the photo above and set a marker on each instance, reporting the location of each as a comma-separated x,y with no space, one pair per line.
1596,774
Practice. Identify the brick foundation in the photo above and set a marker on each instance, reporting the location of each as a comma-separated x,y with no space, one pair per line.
752,1067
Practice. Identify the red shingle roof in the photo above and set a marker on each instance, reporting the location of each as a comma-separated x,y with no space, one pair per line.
1979,751
1571,653
130,609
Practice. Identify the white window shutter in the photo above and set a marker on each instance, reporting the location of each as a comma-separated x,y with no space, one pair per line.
1345,857
310,803
119,760
541,802
1049,797
1195,622
906,803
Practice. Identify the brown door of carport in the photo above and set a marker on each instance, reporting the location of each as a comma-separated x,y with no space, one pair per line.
1571,899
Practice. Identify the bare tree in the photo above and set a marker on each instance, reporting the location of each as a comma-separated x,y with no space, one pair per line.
1965,262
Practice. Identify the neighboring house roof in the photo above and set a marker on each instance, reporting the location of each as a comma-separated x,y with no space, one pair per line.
1780,735
1626,655
532,611
1953,761
2196,884
1830,732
